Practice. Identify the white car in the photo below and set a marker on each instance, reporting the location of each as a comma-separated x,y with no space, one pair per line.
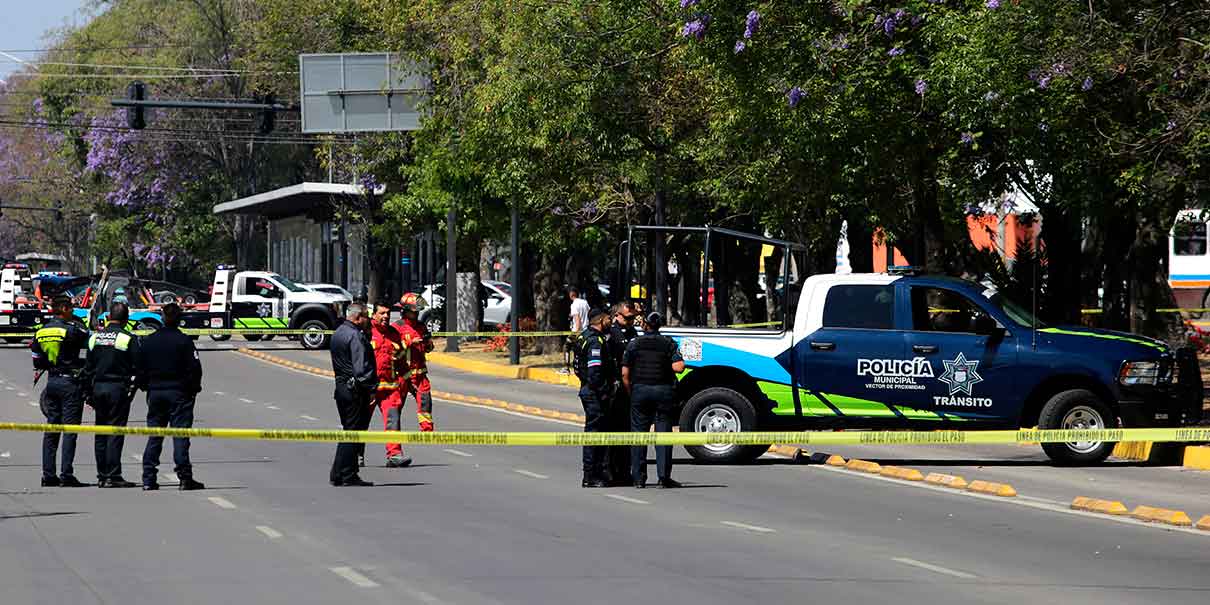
498,310
330,289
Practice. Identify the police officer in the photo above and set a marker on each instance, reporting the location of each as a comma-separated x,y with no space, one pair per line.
353,365
594,368
168,368
110,370
56,351
621,332
649,369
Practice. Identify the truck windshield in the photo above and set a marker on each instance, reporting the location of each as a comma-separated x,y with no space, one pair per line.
1016,312
291,286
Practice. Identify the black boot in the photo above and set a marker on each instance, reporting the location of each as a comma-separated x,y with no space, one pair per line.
188,485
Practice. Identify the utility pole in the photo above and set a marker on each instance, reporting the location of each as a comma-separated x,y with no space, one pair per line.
514,324
451,279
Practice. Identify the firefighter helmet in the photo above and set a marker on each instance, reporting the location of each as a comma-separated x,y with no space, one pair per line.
411,302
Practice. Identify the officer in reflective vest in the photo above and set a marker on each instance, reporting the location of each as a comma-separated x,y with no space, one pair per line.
594,368
56,351
110,371
649,369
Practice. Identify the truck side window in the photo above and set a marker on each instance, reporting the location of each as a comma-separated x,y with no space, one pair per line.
869,307
1189,239
940,310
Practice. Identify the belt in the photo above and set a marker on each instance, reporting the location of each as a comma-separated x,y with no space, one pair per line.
65,373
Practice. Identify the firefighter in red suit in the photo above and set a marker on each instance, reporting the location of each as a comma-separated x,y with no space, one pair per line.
389,353
417,341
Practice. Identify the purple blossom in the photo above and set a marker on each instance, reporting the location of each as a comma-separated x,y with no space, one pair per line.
794,96
900,14
967,138
895,52
696,28
1043,126
740,46
751,24
1032,75
1087,86
991,96
921,87
1059,69
888,26
993,4
1171,125
917,20
1044,81
688,3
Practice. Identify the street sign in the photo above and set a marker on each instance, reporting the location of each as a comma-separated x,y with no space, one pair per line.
360,92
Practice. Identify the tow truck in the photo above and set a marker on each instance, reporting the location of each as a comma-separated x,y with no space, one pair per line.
904,350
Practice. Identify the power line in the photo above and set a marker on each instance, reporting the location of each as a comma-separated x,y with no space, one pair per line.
92,48
150,76
208,70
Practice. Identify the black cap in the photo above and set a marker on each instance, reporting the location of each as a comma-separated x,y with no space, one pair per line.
654,321
596,314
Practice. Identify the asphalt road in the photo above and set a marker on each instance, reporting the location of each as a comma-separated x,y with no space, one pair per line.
511,525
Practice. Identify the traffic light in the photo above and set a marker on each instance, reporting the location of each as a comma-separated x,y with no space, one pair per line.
265,121
135,116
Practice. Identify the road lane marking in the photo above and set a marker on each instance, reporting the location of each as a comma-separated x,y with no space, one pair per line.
355,578
271,533
460,453
755,528
167,479
219,393
33,404
306,417
934,568
246,400
221,502
136,457
273,407
521,471
6,454
8,388
626,499
20,394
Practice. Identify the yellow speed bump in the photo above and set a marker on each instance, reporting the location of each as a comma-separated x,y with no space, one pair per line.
1203,523
945,480
864,466
835,460
788,451
992,488
1162,515
898,472
1095,505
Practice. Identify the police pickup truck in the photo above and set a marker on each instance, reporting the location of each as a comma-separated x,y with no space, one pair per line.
906,351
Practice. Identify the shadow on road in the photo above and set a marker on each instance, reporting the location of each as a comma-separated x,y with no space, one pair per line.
32,515
415,484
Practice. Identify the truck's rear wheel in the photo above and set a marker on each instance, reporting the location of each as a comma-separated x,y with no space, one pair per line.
220,337
720,410
315,338
1082,410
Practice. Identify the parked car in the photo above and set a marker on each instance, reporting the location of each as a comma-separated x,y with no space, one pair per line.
330,289
497,312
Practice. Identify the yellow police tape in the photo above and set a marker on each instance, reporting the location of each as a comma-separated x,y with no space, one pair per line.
683,438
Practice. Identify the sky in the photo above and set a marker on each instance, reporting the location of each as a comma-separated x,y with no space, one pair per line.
26,21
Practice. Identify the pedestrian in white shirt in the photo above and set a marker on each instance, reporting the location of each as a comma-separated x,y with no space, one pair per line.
579,311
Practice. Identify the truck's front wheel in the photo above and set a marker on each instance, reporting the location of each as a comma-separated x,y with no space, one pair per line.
1077,409
720,410
315,338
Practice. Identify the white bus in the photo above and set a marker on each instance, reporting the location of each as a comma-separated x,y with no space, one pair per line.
1189,259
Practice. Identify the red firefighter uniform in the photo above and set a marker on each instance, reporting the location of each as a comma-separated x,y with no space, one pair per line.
416,342
389,354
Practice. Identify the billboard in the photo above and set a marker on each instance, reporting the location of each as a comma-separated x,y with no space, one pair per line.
360,92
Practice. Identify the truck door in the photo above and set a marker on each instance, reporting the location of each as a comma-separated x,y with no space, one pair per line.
260,301
971,355
853,365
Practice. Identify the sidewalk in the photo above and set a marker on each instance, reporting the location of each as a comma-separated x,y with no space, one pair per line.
474,357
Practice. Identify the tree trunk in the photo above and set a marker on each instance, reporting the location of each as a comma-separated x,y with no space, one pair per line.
1062,234
550,304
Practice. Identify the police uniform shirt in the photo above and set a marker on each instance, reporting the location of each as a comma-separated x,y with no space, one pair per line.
650,358
598,362
167,360
111,354
57,346
619,338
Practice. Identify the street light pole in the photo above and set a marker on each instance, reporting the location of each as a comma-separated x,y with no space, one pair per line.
451,279
514,324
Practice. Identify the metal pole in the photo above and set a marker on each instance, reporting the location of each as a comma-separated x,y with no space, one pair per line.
661,264
705,307
451,279
514,324
344,253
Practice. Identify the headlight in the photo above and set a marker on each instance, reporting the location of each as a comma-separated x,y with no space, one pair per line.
1139,372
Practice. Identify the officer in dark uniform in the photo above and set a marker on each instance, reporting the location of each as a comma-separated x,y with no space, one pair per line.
353,365
621,332
110,370
649,369
594,368
56,351
168,368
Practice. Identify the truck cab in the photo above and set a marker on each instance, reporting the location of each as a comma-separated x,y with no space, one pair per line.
20,310
263,300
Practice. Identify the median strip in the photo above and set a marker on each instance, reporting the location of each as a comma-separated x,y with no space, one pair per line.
899,472
1162,515
1095,505
944,480
990,487
864,466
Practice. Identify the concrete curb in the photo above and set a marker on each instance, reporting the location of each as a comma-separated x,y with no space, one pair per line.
898,472
989,487
499,370
1162,515
944,480
1196,457
835,460
864,466
1094,505
1203,523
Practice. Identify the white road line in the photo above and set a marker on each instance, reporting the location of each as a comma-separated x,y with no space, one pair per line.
33,404
8,388
627,499
351,575
219,393
521,471
20,394
136,457
306,417
271,533
6,454
221,502
246,400
167,479
755,528
934,568
460,453
273,407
